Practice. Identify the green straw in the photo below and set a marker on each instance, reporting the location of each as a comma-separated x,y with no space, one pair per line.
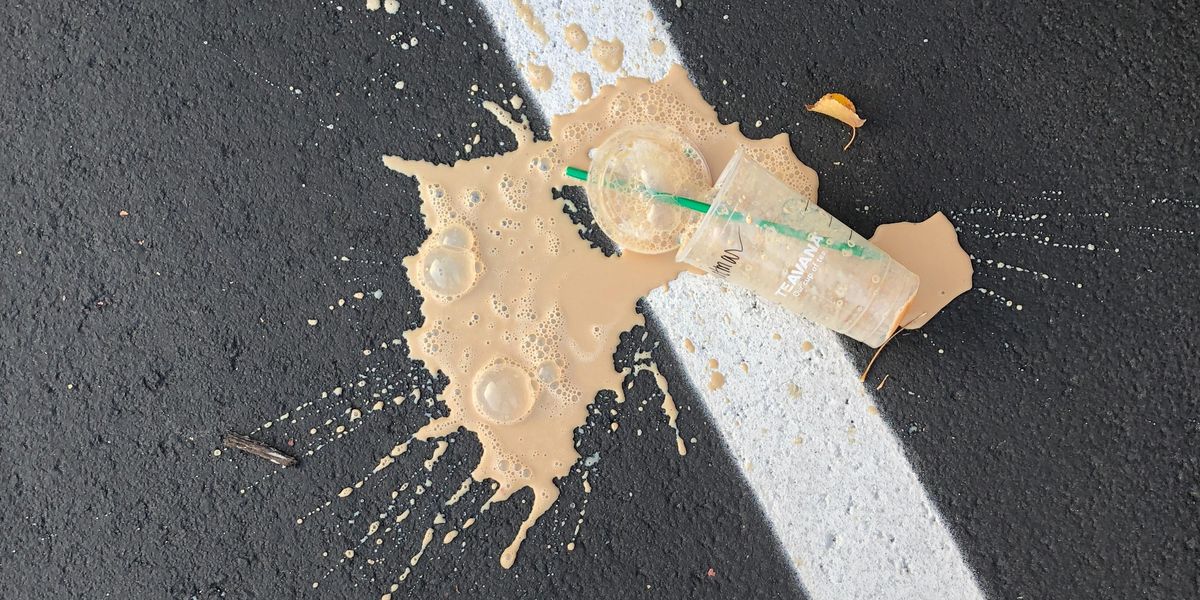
701,207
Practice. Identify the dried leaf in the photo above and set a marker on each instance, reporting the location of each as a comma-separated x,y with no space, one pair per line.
838,107
841,108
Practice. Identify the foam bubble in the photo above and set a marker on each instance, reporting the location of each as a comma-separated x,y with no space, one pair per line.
449,271
503,393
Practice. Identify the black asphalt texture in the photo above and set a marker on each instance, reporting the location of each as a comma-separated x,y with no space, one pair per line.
174,210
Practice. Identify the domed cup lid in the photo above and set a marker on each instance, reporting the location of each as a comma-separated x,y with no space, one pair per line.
631,172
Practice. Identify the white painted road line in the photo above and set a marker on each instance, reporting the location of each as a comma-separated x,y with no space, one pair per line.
844,501
626,21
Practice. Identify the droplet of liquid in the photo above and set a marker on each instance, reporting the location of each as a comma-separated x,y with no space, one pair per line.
503,393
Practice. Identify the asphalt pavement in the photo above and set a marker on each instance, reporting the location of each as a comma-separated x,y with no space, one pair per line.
185,186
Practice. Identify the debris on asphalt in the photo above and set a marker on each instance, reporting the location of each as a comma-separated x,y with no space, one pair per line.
259,449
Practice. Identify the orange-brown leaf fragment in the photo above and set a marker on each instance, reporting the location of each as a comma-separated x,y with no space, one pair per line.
841,108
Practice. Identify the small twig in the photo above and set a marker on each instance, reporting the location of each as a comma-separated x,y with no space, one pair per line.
259,449
863,377
880,386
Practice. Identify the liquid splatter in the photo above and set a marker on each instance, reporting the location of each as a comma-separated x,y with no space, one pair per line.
576,37
540,77
1062,237
609,54
525,11
581,86
520,313
716,380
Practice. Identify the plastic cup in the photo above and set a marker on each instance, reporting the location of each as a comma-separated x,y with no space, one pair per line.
763,235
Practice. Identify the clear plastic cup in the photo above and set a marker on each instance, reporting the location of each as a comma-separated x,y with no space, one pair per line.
763,235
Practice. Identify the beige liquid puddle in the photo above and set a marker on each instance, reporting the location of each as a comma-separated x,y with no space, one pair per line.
581,86
521,314
576,37
608,54
931,250
658,47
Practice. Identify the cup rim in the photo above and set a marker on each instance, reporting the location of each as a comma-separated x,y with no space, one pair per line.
723,180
